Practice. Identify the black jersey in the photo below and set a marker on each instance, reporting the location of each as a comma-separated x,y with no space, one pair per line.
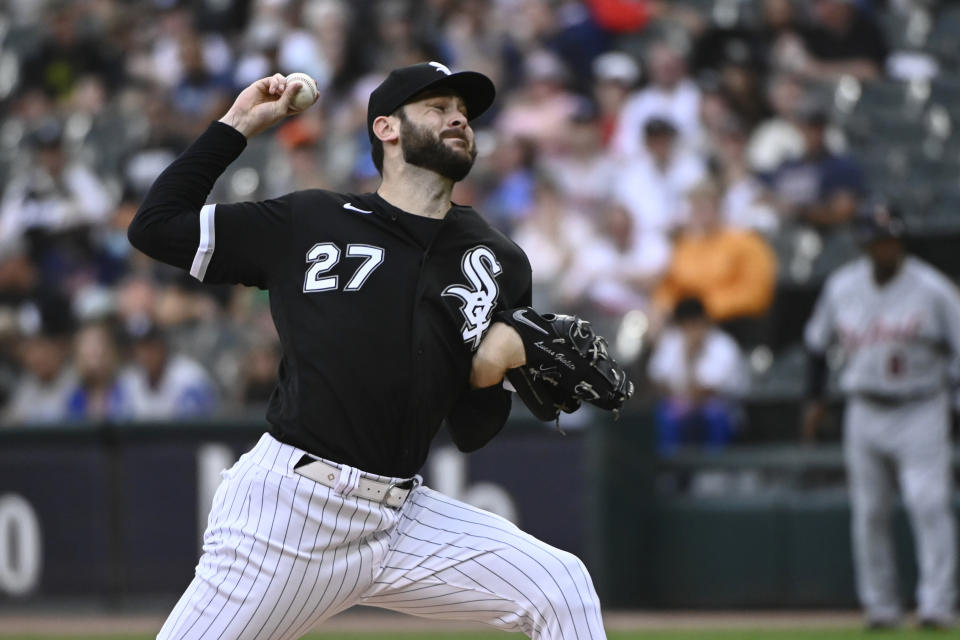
379,311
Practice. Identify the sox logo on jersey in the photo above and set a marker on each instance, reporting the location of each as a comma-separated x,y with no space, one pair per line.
480,267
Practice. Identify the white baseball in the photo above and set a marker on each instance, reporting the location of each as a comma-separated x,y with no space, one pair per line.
307,92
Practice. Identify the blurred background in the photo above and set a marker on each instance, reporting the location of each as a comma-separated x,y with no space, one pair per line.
680,173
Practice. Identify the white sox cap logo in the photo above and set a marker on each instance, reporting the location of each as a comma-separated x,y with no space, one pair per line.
442,68
480,267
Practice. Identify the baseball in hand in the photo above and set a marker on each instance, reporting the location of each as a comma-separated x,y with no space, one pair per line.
307,92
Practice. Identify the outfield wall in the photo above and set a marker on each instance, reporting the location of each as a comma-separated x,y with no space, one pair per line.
115,513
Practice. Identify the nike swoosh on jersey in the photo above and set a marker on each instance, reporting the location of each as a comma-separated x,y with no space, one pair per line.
353,208
519,317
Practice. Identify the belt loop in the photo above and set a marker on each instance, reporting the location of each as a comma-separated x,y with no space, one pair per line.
347,481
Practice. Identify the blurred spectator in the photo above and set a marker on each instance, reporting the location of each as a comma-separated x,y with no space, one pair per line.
653,185
734,55
41,393
542,105
165,386
615,270
65,52
701,373
745,202
471,33
778,21
201,94
778,138
52,191
259,375
715,112
297,161
842,39
733,272
112,250
98,394
258,55
568,30
318,46
820,188
551,236
745,40
625,16
743,87
510,195
669,91
583,171
399,42
615,75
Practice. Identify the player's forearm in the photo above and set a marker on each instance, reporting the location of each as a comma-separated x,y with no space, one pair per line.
500,350
165,226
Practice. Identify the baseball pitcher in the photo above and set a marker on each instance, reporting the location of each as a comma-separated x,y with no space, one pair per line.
396,313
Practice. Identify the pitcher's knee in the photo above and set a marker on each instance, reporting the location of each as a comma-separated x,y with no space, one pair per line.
571,597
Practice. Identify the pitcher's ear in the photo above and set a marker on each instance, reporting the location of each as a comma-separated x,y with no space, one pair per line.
386,128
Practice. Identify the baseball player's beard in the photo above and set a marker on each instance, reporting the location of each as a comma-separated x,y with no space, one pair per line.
423,148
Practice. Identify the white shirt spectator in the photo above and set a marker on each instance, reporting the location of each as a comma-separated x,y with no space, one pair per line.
656,199
586,183
681,105
35,402
772,143
720,365
743,207
185,390
551,251
38,199
609,278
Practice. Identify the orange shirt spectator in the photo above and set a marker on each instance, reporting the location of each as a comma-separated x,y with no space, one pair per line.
732,271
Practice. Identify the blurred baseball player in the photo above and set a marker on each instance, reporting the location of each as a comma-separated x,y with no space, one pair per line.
897,320
384,304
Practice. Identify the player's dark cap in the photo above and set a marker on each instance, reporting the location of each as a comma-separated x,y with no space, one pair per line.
405,83
878,219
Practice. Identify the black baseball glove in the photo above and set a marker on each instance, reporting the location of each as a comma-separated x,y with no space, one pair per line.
567,363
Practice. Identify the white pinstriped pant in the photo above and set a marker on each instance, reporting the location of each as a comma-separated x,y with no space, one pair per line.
282,553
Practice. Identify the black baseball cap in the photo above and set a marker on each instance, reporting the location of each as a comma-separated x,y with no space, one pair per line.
877,219
402,84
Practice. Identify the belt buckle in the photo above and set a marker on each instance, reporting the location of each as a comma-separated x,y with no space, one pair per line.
406,485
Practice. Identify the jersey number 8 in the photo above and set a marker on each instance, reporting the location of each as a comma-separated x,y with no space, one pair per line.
324,256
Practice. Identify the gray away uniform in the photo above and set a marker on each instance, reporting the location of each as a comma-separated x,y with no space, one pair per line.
897,341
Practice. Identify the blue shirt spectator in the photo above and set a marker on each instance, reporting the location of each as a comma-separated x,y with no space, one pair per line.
820,188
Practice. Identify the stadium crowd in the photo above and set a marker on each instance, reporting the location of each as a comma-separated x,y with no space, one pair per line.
647,155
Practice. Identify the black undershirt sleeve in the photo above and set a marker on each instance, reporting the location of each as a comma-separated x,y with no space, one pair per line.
816,384
238,243
478,416
167,226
